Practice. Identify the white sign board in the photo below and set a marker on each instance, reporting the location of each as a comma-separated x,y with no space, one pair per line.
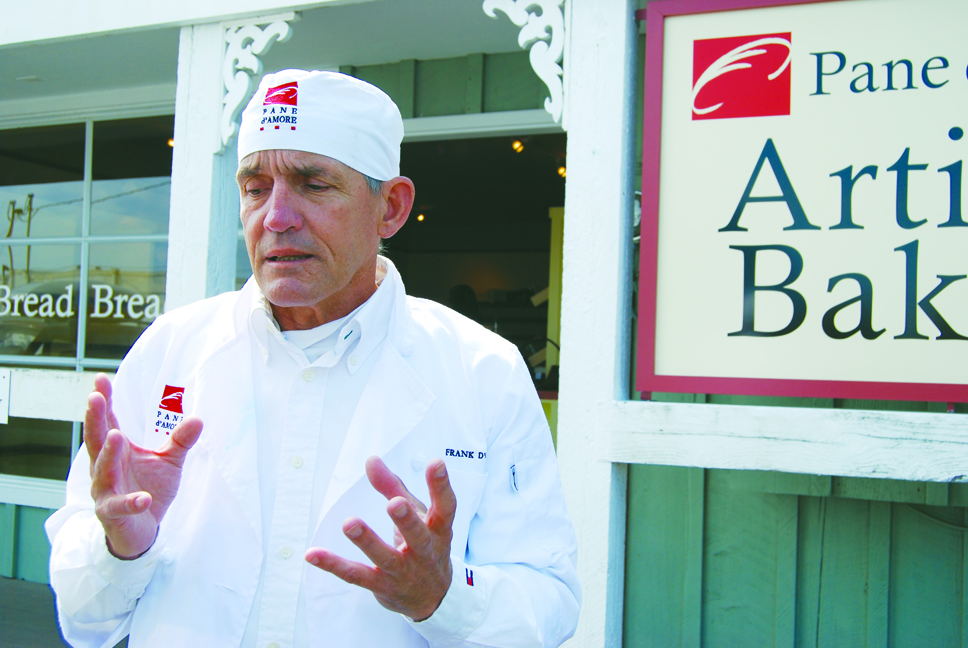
802,230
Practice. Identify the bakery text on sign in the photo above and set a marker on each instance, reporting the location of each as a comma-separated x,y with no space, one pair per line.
902,170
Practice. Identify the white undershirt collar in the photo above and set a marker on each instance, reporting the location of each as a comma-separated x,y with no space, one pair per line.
326,344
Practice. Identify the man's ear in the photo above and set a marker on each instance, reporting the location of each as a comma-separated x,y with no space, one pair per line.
398,194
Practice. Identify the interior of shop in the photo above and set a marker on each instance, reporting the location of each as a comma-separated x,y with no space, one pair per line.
479,236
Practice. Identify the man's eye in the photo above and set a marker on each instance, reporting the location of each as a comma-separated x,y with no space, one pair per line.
254,191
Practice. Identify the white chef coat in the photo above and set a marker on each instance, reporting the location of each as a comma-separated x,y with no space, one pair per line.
441,386
310,384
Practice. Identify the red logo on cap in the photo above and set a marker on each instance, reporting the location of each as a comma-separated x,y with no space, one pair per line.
171,399
743,76
284,94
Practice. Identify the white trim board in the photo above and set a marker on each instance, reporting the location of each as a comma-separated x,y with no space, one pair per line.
49,394
69,19
120,103
596,322
30,491
912,446
494,124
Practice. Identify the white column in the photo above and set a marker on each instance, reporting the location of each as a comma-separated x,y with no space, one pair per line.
202,228
596,299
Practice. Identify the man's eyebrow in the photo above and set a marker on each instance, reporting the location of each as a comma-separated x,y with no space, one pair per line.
306,171
247,172
312,171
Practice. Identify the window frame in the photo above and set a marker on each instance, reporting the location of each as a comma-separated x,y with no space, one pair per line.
80,361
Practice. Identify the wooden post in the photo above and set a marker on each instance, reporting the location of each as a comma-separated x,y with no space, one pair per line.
204,216
596,297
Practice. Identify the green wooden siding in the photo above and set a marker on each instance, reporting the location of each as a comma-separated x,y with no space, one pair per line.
733,558
24,549
457,86
737,559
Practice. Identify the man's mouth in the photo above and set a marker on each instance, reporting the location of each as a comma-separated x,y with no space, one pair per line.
289,257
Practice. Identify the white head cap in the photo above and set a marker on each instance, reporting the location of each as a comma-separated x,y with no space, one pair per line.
326,113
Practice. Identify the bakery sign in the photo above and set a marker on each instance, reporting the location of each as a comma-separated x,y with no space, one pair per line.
803,231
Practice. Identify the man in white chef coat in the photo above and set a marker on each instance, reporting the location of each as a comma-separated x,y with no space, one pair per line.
374,470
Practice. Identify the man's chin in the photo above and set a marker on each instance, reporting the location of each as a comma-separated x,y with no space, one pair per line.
288,293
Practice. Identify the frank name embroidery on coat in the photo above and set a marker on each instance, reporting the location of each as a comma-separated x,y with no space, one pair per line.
464,454
169,413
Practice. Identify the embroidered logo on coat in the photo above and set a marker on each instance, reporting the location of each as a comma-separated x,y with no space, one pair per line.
171,399
169,413
469,573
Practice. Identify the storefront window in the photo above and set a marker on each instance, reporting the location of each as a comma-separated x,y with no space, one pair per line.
41,181
35,448
126,292
131,177
38,300
99,230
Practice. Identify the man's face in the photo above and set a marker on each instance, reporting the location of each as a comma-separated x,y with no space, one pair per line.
312,230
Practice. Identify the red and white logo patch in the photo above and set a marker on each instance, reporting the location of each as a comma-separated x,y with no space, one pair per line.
169,413
742,76
279,107
171,399
285,94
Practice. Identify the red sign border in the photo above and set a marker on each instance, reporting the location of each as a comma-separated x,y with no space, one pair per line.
647,380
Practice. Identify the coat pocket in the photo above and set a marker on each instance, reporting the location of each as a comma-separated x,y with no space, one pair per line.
468,487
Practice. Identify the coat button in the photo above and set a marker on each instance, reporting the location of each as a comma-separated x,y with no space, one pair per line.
419,461
308,376
273,645
354,360
297,462
286,553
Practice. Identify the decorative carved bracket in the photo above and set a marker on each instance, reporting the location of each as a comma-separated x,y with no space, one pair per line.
241,68
545,33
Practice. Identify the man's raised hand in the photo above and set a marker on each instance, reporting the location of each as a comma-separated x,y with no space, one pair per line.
412,577
132,486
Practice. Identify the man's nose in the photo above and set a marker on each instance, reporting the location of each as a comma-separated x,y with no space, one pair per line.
282,213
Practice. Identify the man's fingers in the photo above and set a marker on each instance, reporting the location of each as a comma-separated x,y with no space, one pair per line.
410,527
117,506
353,573
99,418
107,474
383,556
443,502
102,385
182,439
95,426
388,484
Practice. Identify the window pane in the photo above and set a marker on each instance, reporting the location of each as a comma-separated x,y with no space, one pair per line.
38,299
41,181
126,292
35,448
132,176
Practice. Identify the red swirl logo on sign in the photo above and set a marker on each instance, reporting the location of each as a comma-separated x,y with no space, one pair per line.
285,94
742,76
